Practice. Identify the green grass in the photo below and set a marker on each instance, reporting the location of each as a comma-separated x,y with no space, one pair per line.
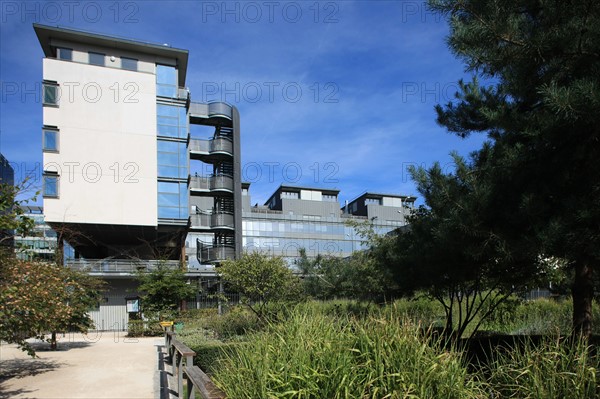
348,349
554,368
315,355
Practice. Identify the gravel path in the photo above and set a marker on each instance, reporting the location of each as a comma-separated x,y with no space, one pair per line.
96,366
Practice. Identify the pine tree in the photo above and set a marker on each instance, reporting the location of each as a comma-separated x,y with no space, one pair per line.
540,108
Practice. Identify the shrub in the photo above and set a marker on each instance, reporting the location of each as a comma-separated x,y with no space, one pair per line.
238,320
209,353
142,328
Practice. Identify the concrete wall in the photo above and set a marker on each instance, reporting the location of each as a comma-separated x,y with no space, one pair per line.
310,208
386,213
107,159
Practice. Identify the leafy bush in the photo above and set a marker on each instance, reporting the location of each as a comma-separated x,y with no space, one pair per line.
142,328
238,320
261,279
209,353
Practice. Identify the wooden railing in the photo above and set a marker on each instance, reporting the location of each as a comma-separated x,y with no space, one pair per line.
197,380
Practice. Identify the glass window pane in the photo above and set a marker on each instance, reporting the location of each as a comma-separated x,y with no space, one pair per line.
167,110
168,131
168,171
167,158
166,91
168,199
50,140
182,116
168,146
168,187
129,63
167,120
183,160
96,58
50,94
64,54
166,75
50,186
168,213
183,191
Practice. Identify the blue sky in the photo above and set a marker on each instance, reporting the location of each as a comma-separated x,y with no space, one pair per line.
333,94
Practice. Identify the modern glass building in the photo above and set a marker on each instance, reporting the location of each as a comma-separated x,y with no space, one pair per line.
7,176
310,218
7,173
116,155
121,135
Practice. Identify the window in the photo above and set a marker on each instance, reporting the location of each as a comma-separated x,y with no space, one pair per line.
172,200
64,54
50,93
290,195
166,81
50,181
50,139
171,121
96,58
372,201
129,63
172,159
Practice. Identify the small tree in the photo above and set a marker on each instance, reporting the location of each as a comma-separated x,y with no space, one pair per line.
40,298
261,279
11,213
164,289
355,277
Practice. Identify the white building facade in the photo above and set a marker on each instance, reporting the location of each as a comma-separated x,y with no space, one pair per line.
116,156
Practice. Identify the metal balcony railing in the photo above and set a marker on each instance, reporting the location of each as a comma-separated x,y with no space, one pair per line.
220,109
210,110
211,183
200,221
222,220
216,146
219,220
119,265
211,254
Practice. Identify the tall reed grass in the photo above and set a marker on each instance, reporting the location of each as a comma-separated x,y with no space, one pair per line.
315,355
552,368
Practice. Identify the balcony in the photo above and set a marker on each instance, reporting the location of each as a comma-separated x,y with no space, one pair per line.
209,151
215,113
222,220
211,184
215,221
200,221
183,93
119,266
215,254
219,109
